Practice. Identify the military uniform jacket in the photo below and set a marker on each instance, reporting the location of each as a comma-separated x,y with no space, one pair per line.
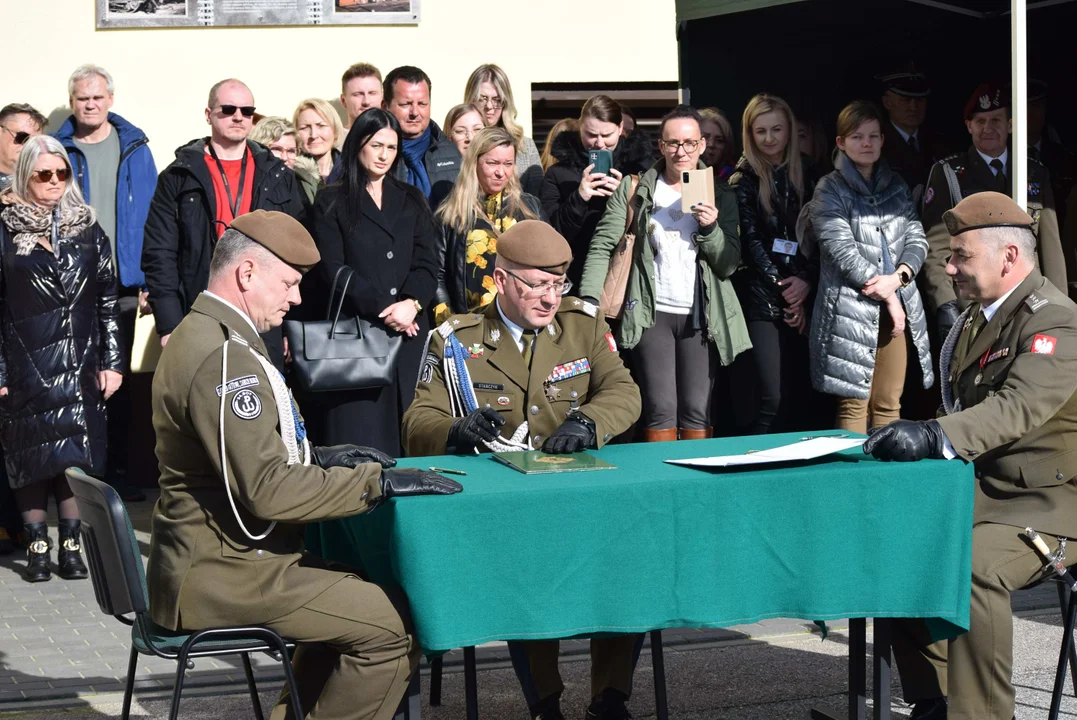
912,165
974,175
558,382
204,571
1016,419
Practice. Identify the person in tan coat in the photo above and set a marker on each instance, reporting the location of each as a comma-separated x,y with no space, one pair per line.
1009,373
239,479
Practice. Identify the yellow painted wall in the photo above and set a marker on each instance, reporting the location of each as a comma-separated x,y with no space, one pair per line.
163,75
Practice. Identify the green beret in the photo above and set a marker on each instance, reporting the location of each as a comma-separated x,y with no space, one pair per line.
533,243
282,235
985,210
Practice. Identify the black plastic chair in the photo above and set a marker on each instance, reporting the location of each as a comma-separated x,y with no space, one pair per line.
119,583
1067,654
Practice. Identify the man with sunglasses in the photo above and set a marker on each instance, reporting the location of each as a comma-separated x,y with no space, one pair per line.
542,372
211,182
18,122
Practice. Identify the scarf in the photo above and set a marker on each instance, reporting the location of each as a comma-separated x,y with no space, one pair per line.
31,223
414,151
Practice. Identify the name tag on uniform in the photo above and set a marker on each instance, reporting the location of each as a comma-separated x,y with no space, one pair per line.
785,247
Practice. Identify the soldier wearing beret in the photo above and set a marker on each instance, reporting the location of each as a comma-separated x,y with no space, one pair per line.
238,480
1009,372
534,370
910,148
985,166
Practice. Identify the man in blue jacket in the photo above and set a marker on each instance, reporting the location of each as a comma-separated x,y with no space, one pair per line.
115,171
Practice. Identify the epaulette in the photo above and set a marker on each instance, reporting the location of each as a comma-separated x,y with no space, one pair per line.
578,305
456,322
955,156
1035,302
1036,161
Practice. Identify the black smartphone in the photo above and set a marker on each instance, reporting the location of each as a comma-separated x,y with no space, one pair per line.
602,160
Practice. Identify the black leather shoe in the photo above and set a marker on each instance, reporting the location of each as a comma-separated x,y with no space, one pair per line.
934,709
549,708
608,705
69,558
37,553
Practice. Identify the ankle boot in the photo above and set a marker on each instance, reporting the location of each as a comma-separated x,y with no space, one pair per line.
666,435
37,553
696,433
69,558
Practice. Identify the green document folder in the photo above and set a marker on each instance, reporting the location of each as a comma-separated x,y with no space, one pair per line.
535,462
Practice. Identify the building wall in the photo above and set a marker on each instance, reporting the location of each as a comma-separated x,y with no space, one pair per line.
163,75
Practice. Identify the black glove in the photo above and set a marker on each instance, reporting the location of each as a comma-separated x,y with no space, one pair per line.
481,424
945,317
412,481
575,434
906,441
349,456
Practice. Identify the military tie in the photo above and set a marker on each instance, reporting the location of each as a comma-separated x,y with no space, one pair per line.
977,325
1000,177
913,145
529,343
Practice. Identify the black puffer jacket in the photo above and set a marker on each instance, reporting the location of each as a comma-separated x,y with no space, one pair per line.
561,202
58,328
756,281
452,257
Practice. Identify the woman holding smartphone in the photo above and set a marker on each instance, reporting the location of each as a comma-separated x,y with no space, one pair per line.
777,276
871,246
681,316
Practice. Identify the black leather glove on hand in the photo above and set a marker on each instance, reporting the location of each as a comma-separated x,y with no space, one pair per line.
481,424
575,434
349,456
905,441
945,317
403,482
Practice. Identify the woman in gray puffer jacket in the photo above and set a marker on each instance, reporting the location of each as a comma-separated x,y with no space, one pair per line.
871,245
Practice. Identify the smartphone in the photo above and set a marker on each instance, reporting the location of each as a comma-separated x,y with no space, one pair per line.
602,160
697,186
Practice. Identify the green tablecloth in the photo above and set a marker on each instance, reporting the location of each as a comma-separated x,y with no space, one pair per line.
652,545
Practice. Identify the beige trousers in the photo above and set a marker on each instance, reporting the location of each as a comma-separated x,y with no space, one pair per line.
883,404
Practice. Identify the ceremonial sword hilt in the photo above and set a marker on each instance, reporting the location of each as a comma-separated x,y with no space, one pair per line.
1055,560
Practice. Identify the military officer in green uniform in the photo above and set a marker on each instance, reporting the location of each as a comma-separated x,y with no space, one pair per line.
1009,370
910,148
535,370
985,166
239,479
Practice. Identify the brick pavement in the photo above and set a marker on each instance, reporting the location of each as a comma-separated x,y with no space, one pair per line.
55,646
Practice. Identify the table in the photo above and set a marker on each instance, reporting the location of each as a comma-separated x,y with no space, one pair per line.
652,545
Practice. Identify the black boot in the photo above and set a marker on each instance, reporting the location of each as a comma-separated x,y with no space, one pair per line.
933,709
69,559
37,552
608,705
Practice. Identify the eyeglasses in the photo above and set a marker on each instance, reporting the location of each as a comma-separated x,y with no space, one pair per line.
495,102
559,288
44,176
230,110
672,146
464,132
19,137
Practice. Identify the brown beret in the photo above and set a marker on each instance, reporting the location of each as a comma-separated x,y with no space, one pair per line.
282,235
536,244
985,210
985,98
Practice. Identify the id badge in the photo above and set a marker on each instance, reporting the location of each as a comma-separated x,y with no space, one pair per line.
785,247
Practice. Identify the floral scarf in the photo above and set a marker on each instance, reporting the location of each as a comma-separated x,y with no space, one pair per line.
31,223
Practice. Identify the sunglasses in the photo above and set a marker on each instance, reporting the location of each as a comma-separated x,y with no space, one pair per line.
230,110
44,176
20,137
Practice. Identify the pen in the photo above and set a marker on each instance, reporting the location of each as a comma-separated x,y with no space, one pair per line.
447,471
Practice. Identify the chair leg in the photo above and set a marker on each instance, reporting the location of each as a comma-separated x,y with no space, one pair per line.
289,677
471,688
177,690
1063,657
132,664
658,661
435,680
249,672
1063,603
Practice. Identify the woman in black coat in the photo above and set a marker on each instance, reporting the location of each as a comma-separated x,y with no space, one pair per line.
60,351
382,229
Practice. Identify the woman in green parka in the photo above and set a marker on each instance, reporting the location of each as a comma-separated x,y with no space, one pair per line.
681,316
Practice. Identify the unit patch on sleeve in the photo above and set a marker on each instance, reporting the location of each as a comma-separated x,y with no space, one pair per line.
238,384
246,405
426,373
1044,345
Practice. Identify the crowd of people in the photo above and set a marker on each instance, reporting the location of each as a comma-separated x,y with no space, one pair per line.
814,291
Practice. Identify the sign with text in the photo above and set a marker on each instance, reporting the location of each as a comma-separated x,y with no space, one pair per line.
224,13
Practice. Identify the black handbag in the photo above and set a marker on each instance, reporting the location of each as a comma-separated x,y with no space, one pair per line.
341,353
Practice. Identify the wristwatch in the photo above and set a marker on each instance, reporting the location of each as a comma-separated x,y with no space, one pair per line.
418,305
906,278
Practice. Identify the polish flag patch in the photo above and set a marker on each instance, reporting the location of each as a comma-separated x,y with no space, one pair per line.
611,342
1044,345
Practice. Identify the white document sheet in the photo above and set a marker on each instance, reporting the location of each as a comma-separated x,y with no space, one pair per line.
804,450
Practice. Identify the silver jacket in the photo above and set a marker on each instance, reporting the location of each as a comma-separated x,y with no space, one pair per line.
852,220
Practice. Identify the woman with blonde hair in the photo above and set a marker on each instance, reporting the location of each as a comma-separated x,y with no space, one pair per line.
319,131
571,125
58,293
721,152
486,201
462,123
777,275
489,88
278,134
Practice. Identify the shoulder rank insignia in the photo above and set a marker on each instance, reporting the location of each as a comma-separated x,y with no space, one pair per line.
582,305
1035,302
445,329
